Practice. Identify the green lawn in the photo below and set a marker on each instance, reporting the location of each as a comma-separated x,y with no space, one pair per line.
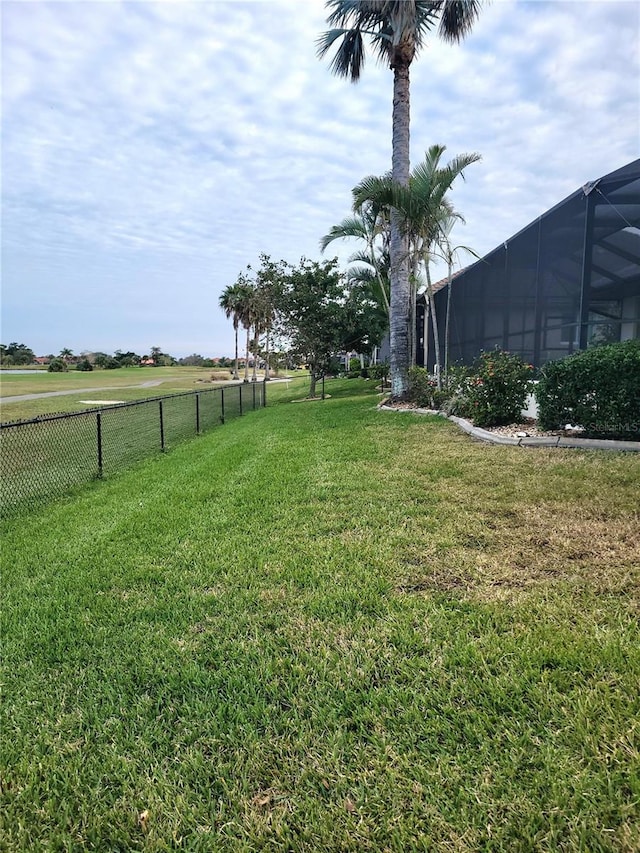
125,384
328,628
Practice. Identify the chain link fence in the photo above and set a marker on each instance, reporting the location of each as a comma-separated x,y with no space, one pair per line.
44,457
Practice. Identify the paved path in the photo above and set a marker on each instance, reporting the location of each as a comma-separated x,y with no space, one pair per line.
18,398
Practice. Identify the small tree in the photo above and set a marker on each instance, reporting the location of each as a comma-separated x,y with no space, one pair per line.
312,313
57,365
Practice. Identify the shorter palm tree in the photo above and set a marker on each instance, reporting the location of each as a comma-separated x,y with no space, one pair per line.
229,301
423,206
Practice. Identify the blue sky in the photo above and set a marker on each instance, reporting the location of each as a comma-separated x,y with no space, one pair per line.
150,151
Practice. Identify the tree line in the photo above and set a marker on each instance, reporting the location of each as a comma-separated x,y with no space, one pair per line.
20,355
404,219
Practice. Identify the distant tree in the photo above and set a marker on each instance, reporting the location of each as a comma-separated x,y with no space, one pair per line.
364,319
57,365
245,309
156,353
112,363
84,365
66,354
100,359
231,302
16,354
194,360
269,281
127,359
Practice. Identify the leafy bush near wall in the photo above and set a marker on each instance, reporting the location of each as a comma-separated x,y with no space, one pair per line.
497,388
598,389
421,387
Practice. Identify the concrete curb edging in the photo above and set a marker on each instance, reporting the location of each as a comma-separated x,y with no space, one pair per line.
529,441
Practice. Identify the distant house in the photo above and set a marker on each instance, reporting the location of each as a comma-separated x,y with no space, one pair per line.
569,280
42,359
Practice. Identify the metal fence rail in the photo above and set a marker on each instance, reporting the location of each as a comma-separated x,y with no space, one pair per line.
44,457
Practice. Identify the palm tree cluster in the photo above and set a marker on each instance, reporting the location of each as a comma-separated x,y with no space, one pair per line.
250,302
396,30
426,217
405,218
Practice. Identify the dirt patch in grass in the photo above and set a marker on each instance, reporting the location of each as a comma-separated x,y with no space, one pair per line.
505,555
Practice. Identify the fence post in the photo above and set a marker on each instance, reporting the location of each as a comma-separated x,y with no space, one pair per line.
161,427
240,387
264,392
254,396
222,405
197,414
99,427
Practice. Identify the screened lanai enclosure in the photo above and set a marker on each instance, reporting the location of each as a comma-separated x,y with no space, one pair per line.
566,282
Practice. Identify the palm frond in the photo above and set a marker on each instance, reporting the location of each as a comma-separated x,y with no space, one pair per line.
351,226
357,272
457,19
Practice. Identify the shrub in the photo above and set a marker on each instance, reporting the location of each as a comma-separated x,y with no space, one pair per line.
57,365
220,376
422,387
84,365
597,389
380,372
458,405
498,388
354,368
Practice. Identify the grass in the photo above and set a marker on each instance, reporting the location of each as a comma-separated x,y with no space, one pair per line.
326,627
125,384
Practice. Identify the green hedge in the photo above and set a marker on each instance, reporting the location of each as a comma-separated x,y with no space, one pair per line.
598,389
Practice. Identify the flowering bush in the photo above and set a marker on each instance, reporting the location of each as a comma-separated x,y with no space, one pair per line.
497,388
422,387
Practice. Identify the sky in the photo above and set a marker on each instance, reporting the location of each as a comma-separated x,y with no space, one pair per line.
152,150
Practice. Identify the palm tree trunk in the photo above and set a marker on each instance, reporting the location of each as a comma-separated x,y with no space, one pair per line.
427,314
434,323
398,243
447,324
255,353
246,358
236,375
413,282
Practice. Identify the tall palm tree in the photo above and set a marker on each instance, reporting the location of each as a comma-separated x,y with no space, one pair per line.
230,302
397,31
269,281
246,309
